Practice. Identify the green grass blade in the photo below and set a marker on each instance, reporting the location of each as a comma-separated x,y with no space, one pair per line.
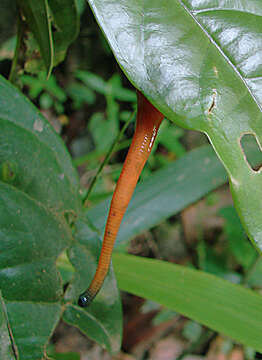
227,308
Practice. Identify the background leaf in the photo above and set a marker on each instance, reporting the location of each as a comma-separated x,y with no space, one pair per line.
66,20
240,248
6,351
37,17
216,303
199,63
55,24
168,191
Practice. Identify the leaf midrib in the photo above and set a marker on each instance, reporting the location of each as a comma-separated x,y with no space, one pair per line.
211,39
220,50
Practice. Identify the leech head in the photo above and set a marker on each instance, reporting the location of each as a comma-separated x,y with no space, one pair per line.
85,299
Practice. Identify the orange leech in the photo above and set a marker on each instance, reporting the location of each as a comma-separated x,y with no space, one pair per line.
147,125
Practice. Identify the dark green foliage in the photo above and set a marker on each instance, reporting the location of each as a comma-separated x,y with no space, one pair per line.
184,58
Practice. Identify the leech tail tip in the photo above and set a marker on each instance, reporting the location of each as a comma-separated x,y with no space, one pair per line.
85,299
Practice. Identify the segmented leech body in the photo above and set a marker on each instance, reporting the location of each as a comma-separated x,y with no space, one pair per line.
147,125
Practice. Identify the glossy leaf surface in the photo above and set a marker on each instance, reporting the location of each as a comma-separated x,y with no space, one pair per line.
198,62
225,307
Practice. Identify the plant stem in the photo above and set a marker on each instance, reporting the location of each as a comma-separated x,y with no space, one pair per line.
51,40
19,37
107,157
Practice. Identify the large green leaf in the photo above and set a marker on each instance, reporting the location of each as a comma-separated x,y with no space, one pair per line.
102,320
35,155
37,182
39,207
39,199
168,191
199,62
30,340
31,238
228,308
39,202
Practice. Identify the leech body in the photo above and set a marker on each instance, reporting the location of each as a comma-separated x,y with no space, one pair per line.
147,125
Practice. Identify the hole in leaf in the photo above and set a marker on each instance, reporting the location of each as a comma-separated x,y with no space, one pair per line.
252,151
